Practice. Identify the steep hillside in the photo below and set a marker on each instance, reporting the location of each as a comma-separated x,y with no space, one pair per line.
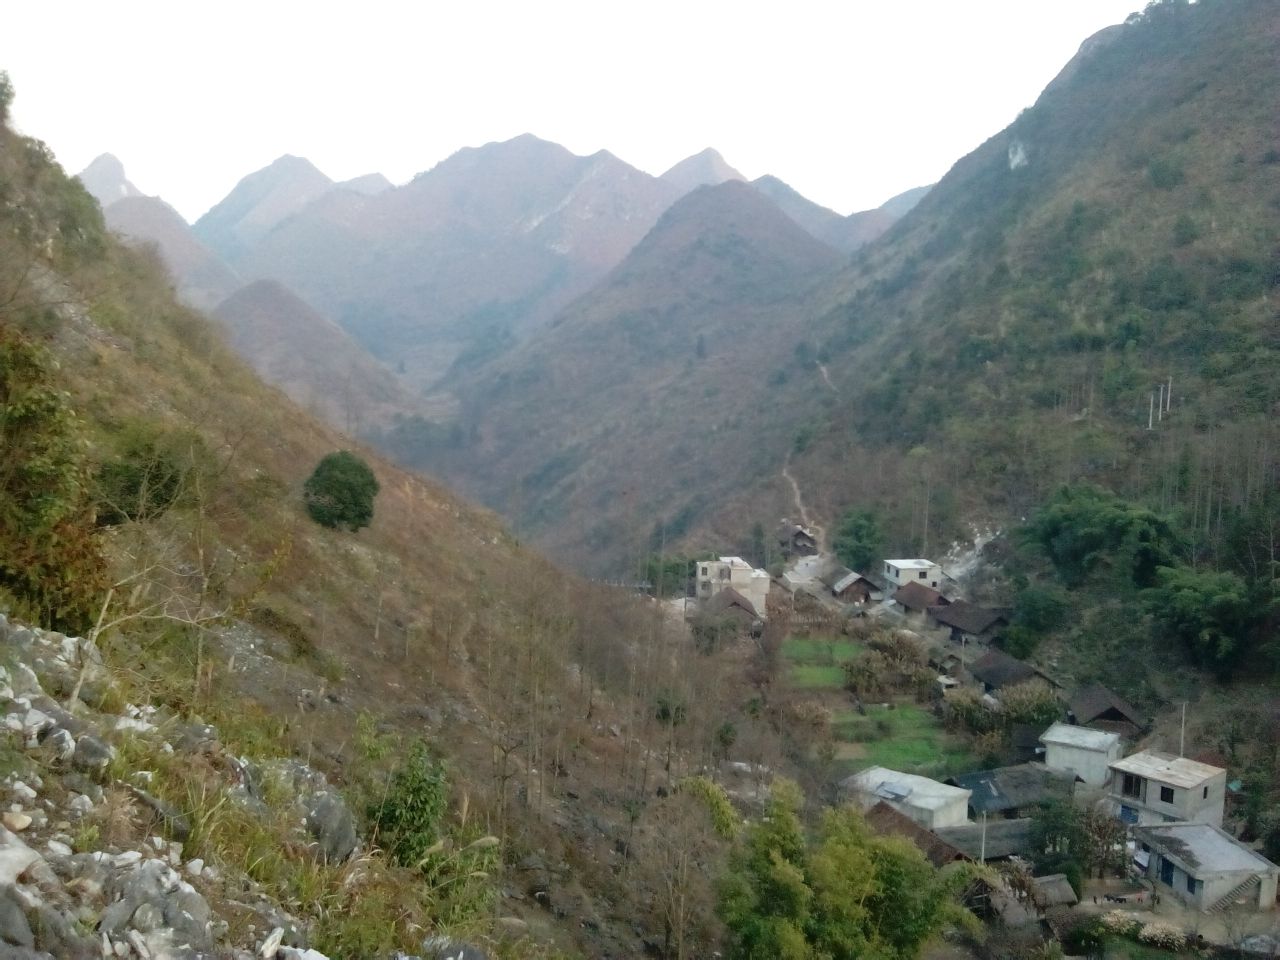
313,360
203,279
368,184
153,492
704,169
1023,322
473,253
647,398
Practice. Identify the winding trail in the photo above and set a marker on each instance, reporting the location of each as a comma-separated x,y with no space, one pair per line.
819,534
822,369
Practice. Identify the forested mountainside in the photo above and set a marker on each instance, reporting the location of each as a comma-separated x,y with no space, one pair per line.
640,379
1009,334
152,503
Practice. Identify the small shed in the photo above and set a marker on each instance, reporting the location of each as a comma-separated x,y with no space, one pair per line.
1082,752
730,603
795,540
849,586
1055,890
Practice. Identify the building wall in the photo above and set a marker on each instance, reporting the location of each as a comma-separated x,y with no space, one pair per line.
932,576
1212,886
1091,766
1201,804
954,814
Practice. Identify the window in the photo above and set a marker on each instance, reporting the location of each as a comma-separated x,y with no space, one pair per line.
1166,794
704,571
1205,795
1131,786
924,574
934,584
1192,884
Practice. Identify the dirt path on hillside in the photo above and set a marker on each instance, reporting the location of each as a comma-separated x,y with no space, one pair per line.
819,534
822,369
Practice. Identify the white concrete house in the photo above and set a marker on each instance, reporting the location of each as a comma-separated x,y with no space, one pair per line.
1081,751
1206,868
715,575
1152,787
901,572
929,803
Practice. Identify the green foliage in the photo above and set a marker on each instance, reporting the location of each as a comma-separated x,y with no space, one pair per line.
6,96
668,574
724,819
849,894
1032,702
49,560
408,819
1214,614
858,540
148,475
340,493
1084,528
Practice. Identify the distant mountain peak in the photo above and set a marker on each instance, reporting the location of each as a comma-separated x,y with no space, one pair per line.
706,168
105,179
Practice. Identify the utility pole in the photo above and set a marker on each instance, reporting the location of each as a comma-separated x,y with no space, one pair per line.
1182,736
1168,395
1151,410
1160,405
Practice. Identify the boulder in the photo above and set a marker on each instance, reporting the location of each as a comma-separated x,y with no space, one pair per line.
331,824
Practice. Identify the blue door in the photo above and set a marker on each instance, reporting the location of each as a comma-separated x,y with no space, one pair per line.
1166,872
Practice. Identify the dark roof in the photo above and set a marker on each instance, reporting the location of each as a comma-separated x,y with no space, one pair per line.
789,531
834,575
726,598
916,596
1096,702
1011,788
1054,890
882,818
967,617
998,669
1004,838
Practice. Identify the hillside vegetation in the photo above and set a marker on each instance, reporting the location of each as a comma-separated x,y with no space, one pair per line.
152,503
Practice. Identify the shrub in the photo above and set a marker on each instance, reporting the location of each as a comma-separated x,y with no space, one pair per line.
408,818
340,492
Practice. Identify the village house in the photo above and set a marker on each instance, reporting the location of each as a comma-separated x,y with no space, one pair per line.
1084,753
733,572
1096,706
993,840
884,819
1013,792
729,604
1205,867
901,572
796,541
967,621
915,599
928,802
1151,787
850,587
996,670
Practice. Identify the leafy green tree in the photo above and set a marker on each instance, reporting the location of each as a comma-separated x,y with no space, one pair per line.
1083,528
341,491
858,540
1213,613
850,894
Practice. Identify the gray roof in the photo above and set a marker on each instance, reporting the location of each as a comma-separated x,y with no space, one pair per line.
1011,788
1004,837
1053,891
1082,737
1203,848
1167,768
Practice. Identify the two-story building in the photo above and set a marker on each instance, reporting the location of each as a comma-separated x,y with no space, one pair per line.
1151,787
712,576
901,572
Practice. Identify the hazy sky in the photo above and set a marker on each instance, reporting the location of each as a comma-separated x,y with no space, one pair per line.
848,101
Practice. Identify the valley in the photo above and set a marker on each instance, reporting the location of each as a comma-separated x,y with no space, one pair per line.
542,558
